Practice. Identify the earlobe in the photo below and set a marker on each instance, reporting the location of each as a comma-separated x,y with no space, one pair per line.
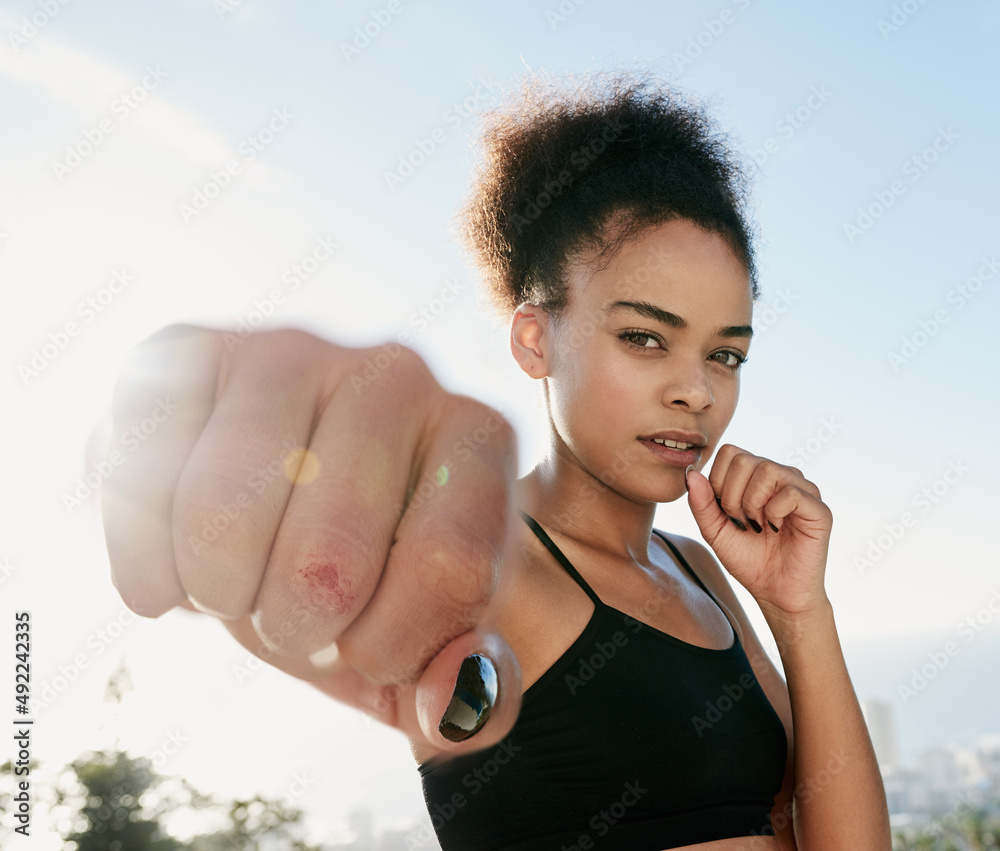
529,339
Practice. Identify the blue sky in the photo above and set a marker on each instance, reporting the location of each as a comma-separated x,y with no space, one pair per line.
854,97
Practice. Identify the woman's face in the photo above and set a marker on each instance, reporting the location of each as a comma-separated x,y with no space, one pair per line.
647,346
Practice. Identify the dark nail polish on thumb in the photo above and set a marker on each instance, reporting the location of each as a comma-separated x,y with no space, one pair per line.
473,699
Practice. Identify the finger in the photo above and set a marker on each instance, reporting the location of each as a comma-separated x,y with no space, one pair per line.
163,397
242,629
234,488
444,567
792,499
333,544
469,696
334,678
731,472
709,516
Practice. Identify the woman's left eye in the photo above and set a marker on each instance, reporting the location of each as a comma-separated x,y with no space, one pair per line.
736,360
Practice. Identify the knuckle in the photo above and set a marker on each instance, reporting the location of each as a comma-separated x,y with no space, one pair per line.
454,571
282,629
480,417
146,598
327,579
410,362
743,460
209,510
283,350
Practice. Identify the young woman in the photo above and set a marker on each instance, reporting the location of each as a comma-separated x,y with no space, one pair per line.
610,224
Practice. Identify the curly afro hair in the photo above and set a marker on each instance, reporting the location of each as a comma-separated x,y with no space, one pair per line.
565,168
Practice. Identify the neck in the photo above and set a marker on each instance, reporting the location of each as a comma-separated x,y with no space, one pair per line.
563,496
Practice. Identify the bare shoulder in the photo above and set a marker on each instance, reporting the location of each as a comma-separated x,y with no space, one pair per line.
704,564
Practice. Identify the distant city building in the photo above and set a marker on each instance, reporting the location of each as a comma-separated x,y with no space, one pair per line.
882,729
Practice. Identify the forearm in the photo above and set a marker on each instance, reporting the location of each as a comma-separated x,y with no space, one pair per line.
839,796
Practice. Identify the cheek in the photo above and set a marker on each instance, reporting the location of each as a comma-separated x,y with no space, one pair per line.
726,398
603,393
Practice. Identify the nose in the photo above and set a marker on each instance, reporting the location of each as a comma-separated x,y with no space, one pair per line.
687,385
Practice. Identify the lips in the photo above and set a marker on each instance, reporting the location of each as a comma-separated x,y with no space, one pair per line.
671,439
675,444
675,453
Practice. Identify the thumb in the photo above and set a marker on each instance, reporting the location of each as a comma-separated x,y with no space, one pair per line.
473,680
701,499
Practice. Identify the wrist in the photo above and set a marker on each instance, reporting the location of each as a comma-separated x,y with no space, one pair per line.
791,628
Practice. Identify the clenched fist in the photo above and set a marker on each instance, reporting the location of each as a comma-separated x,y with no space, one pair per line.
341,513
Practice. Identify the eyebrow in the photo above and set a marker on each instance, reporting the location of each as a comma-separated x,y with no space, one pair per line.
651,311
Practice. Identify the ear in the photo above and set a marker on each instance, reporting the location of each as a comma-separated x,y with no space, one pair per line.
529,339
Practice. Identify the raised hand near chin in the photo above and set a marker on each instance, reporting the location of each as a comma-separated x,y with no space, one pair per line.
768,527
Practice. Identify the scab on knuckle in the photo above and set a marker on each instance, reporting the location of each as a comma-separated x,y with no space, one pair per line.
327,577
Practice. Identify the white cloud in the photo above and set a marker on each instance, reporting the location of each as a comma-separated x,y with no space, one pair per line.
90,86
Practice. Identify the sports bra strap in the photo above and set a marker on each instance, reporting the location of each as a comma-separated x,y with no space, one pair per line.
572,571
683,562
552,548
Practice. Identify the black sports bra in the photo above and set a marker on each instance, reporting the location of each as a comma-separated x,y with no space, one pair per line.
632,739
